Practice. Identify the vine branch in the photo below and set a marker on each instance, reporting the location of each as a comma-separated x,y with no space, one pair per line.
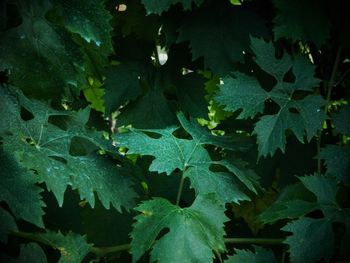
102,251
329,88
181,185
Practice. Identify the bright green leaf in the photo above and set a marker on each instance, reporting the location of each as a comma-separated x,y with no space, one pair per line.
189,156
199,226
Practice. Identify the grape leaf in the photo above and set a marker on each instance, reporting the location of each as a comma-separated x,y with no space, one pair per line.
7,225
156,7
199,226
260,255
190,92
121,84
337,160
39,50
223,38
89,19
18,190
29,253
190,157
302,20
294,206
339,118
312,239
150,110
300,116
47,148
73,247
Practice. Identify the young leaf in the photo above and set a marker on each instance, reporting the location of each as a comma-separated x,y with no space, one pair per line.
199,226
260,255
299,116
312,239
46,148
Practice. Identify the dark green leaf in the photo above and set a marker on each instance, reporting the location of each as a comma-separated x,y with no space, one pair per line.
7,225
312,239
220,34
18,190
260,255
46,148
156,7
302,20
337,160
300,116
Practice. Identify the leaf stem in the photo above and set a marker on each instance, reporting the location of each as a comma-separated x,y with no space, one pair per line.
329,88
181,185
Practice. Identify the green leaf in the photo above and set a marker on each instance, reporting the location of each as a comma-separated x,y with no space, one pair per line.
7,225
190,92
46,145
302,20
324,188
122,84
199,226
73,247
189,156
18,190
150,110
251,98
224,38
296,205
156,7
31,253
297,115
311,239
89,19
340,120
337,160
41,57
260,255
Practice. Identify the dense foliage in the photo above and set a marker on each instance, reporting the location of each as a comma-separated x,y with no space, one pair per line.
174,131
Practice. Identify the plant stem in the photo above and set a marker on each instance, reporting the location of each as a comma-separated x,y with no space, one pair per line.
329,88
101,251
181,185
262,241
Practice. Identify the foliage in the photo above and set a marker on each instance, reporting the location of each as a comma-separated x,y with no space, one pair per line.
174,131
